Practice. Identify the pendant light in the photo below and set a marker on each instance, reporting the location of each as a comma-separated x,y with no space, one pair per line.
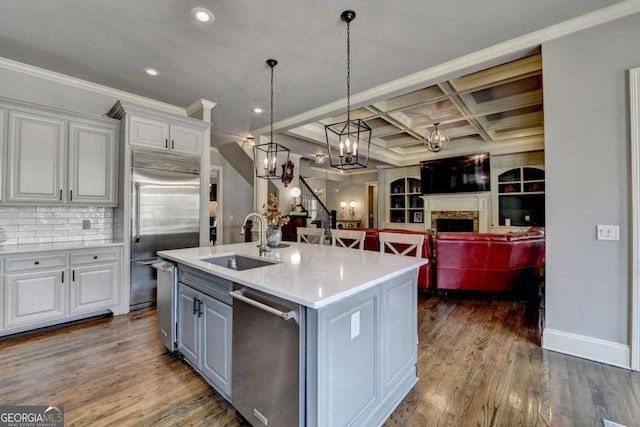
348,142
267,158
436,140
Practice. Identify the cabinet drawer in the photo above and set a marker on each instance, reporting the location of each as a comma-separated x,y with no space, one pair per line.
37,261
213,286
94,256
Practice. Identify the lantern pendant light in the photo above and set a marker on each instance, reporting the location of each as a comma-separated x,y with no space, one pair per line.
348,142
267,158
436,140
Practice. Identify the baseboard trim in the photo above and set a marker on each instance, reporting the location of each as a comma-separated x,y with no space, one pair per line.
589,348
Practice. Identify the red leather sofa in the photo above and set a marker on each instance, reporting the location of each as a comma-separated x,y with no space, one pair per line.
425,274
487,261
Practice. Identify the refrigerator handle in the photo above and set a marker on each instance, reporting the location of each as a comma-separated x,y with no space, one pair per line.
137,218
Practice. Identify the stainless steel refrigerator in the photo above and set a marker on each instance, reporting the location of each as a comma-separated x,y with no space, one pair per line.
165,192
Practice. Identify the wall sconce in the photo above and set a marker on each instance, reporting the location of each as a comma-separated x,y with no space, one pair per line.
343,205
352,211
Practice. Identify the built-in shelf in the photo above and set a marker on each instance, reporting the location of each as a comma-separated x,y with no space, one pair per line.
521,197
406,205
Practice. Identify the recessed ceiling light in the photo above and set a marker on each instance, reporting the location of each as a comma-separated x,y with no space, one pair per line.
203,15
257,110
152,71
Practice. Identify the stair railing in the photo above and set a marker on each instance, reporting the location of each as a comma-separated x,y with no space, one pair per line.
316,210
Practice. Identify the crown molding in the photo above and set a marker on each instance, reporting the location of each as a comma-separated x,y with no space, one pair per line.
200,104
527,41
53,76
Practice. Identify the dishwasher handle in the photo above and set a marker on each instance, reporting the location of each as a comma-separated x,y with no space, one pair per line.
264,307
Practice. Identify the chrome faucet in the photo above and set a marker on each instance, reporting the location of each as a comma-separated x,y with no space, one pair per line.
263,231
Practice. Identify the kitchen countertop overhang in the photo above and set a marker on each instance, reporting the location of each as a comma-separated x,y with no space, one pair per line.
310,275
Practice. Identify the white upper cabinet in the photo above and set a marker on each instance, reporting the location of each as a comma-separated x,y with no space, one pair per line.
35,158
58,157
186,140
92,164
3,143
151,133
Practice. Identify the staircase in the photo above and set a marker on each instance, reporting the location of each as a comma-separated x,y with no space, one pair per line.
316,210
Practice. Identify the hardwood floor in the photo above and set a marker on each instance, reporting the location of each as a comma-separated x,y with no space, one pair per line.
480,364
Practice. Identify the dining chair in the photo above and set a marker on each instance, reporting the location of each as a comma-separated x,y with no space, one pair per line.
310,235
401,244
348,239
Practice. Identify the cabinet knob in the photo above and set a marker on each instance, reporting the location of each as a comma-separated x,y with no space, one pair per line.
37,262
95,257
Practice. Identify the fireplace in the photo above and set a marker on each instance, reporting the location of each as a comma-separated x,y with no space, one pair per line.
454,224
455,221
474,208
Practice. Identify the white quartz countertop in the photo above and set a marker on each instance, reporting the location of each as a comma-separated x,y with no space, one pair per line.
310,275
59,246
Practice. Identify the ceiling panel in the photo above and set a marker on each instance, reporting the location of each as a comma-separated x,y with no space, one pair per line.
493,106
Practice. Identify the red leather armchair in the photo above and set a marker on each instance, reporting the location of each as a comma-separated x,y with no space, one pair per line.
486,261
425,274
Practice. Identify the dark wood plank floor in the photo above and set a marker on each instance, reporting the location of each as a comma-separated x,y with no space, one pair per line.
480,364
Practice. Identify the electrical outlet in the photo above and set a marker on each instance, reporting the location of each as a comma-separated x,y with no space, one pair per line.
86,224
607,232
355,324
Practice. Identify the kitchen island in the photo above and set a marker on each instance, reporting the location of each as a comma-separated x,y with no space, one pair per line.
317,335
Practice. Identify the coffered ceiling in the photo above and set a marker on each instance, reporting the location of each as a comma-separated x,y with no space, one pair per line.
482,110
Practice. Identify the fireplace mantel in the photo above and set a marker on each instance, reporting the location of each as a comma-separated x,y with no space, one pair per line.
476,202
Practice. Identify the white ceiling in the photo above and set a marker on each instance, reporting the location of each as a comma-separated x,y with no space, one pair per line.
111,42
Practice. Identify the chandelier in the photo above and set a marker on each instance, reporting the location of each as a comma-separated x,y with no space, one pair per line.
268,157
436,139
351,138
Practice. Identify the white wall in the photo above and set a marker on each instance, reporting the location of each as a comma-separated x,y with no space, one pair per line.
237,199
588,183
353,187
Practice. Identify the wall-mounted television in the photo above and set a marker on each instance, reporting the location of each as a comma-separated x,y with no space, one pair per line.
456,174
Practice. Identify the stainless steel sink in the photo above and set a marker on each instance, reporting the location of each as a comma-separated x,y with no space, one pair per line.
238,262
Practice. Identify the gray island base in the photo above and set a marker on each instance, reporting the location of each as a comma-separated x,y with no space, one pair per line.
306,335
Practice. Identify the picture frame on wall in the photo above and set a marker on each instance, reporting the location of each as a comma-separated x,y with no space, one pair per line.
417,217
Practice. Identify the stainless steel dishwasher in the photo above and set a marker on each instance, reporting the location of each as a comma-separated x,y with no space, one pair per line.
267,370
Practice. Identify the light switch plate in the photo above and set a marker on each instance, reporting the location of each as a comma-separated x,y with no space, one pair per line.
607,232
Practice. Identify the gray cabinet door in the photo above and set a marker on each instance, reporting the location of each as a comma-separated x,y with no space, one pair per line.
186,140
216,338
30,298
145,132
36,158
3,141
188,329
92,164
92,288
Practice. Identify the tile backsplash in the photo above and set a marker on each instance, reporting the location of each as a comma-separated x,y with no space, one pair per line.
47,224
